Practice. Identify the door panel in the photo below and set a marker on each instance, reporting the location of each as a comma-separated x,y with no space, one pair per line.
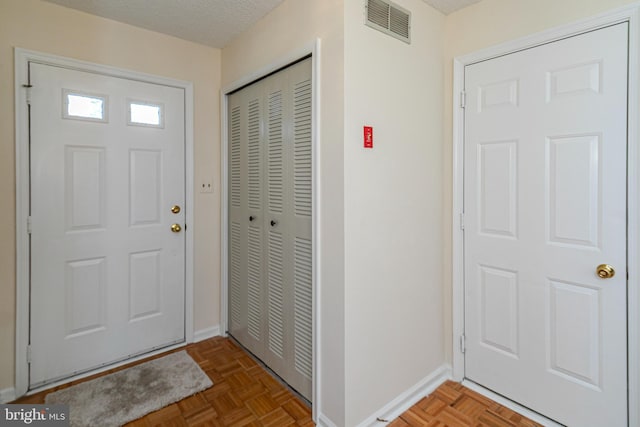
107,272
246,265
545,202
301,217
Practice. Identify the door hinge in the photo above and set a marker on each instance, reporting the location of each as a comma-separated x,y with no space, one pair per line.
29,225
462,221
28,89
29,354
463,347
463,99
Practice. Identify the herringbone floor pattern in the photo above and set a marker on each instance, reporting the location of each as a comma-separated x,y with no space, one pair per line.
244,394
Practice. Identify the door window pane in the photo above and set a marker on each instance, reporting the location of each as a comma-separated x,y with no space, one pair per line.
82,106
145,114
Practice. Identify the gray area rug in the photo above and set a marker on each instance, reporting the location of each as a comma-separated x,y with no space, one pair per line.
124,396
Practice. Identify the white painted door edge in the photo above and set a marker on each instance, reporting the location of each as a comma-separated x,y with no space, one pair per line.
312,48
631,14
22,58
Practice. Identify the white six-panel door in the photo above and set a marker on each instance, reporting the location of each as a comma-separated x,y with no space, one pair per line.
107,166
545,205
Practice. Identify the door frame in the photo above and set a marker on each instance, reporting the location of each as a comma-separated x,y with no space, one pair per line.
630,14
22,58
311,49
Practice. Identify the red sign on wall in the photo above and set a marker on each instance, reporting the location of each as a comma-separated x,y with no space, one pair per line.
368,137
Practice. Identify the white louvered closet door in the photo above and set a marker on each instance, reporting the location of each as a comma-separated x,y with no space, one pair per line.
245,218
270,268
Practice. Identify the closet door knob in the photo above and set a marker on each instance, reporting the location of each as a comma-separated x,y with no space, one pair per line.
273,223
251,218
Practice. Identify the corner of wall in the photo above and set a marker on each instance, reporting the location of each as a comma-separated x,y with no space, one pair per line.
408,398
7,395
206,333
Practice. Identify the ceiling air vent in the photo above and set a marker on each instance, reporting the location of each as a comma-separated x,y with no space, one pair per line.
389,18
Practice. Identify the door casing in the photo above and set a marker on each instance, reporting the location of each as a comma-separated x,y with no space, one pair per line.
22,58
312,49
630,14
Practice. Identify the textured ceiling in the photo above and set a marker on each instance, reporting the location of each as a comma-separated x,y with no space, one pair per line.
448,6
211,22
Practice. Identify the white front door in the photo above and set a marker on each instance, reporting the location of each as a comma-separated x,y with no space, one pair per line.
545,205
107,270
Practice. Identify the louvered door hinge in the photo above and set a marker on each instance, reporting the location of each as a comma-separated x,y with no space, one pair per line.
28,225
463,347
28,89
463,99
28,354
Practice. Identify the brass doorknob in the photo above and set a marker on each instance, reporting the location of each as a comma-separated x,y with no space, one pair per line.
175,209
176,228
605,271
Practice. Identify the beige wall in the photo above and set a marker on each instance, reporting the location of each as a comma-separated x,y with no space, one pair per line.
376,293
482,25
290,27
393,197
48,28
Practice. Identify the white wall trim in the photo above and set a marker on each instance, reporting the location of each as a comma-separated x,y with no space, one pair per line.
206,333
457,241
224,214
22,211
189,157
314,49
633,213
316,58
22,59
408,398
631,14
324,421
7,395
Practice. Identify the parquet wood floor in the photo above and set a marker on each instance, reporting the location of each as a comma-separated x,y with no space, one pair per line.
244,394
454,405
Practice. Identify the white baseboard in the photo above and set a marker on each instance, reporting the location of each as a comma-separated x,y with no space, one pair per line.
7,395
206,333
323,421
406,400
